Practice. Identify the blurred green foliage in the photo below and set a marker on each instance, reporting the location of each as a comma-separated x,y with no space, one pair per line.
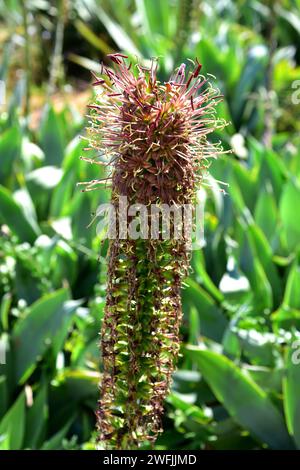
238,379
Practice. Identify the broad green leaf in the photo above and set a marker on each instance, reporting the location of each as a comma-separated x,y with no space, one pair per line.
269,379
23,198
155,16
286,318
230,342
3,395
194,326
36,419
73,389
41,183
191,411
61,195
261,286
64,261
260,348
13,424
291,16
77,385
251,265
63,191
4,311
289,202
202,276
273,170
266,214
292,291
55,442
10,143
210,56
27,286
81,211
291,387
252,72
263,252
236,194
244,400
4,442
12,214
215,251
51,137
246,181
212,320
43,328
31,154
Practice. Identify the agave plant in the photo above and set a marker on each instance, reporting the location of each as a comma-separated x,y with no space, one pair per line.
154,136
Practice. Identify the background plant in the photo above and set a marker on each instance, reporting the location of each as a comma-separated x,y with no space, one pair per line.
241,302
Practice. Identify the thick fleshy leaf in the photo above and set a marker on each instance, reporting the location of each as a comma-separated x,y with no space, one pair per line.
290,199
36,419
10,143
51,137
291,387
13,215
43,328
12,424
244,400
212,320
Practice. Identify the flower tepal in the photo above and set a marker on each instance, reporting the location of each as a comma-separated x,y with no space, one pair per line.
154,137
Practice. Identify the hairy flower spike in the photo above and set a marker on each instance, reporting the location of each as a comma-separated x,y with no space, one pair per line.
155,137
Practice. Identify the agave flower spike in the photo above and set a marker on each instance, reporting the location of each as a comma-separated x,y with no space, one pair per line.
156,137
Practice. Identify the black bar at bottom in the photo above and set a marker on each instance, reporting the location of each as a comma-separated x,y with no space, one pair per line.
137,459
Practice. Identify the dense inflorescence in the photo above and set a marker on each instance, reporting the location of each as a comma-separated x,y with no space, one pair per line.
155,138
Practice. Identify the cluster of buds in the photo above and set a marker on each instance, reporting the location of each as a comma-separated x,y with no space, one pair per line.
154,136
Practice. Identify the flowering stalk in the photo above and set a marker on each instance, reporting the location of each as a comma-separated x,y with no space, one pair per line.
155,135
